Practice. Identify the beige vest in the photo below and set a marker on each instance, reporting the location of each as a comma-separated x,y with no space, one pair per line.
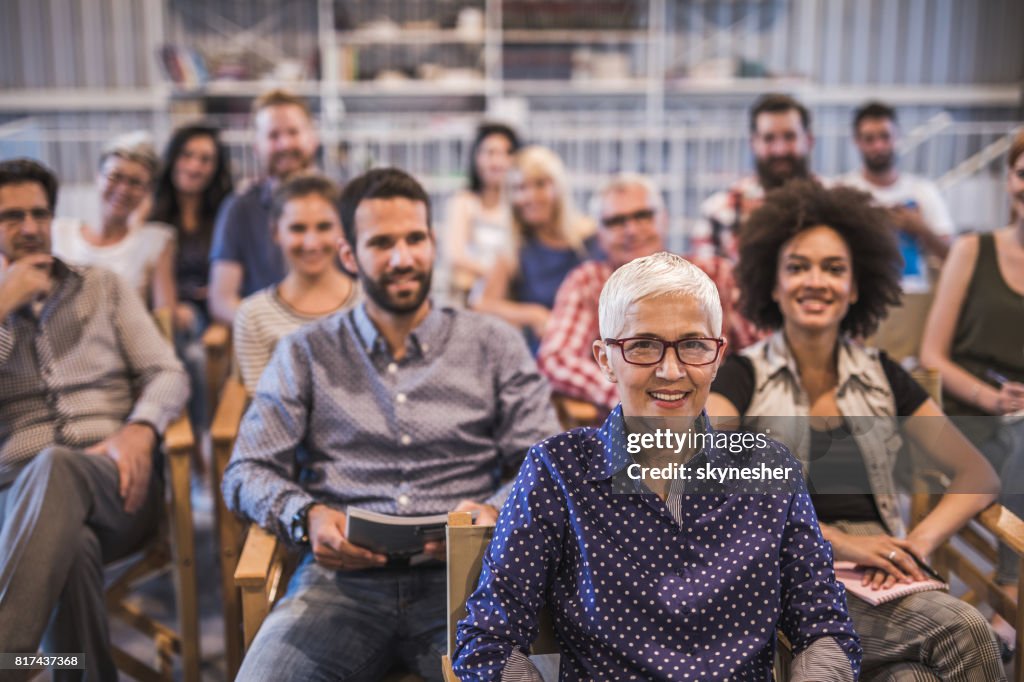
780,405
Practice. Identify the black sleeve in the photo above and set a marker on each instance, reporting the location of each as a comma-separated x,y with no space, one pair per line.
908,393
735,381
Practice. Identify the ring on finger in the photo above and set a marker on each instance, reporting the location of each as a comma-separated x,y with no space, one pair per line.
892,555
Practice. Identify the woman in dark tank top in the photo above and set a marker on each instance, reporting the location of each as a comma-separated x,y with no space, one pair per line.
975,338
193,182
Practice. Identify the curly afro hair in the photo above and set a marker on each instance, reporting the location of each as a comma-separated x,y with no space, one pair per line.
803,204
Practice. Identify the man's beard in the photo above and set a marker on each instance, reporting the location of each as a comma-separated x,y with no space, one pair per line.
771,178
377,291
880,163
304,162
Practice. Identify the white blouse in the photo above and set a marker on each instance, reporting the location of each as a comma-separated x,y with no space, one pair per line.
134,258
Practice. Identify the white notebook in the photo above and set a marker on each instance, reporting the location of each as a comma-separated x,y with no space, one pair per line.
850,574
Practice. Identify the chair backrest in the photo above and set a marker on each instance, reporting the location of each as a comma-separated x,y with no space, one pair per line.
466,546
931,381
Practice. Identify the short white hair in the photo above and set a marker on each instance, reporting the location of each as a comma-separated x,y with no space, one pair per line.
660,274
620,182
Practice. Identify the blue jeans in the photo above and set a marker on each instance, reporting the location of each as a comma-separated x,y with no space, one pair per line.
333,625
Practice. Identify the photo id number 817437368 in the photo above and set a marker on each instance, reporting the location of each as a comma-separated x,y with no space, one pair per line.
42,661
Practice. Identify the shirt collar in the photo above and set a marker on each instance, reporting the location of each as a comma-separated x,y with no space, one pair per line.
853,361
427,335
612,457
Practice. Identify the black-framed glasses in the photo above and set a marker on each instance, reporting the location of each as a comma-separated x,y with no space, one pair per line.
18,216
644,215
645,351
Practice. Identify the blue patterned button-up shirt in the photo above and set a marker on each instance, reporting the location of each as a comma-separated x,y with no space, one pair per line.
638,593
335,419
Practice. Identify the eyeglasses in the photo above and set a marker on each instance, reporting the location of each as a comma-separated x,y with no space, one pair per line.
17,216
643,216
646,352
131,182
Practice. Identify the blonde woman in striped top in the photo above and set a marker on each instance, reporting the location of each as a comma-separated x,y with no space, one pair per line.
306,226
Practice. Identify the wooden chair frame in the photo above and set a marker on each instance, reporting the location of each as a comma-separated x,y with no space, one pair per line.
174,545
466,546
994,524
217,346
230,529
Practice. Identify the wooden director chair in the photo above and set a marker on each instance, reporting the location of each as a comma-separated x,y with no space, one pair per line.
230,530
173,548
466,544
995,523
217,348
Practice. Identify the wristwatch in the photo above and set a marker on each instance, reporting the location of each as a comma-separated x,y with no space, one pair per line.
300,525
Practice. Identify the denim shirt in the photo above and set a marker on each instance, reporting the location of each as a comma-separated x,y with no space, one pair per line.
781,404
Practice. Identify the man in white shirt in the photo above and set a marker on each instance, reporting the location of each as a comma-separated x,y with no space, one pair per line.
781,142
921,216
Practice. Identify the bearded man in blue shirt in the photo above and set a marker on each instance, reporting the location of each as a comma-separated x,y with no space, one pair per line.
398,406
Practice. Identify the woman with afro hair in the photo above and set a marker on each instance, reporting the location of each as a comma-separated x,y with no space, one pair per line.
820,267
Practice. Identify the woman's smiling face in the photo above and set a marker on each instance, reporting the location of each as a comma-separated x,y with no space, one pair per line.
669,388
814,284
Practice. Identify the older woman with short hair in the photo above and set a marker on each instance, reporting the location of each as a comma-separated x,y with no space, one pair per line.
142,253
821,266
649,578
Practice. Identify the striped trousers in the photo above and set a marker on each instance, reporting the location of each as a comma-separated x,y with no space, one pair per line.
924,637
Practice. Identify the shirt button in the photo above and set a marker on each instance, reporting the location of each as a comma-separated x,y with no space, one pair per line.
403,500
400,398
406,439
392,367
425,347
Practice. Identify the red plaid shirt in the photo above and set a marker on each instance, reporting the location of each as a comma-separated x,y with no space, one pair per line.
565,356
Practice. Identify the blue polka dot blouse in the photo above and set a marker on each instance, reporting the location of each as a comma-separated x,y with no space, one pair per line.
639,593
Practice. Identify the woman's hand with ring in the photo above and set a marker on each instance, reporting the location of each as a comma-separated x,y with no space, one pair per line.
889,560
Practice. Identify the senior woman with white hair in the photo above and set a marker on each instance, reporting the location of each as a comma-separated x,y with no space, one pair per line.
140,252
680,578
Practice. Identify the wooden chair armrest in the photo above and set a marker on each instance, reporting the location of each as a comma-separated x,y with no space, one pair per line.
446,669
179,439
256,564
573,412
1005,525
216,338
228,417
164,318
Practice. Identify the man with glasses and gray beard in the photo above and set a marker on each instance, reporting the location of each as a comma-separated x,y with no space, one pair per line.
781,141
632,220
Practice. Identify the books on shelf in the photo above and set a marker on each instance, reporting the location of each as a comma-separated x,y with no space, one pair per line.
184,66
850,575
